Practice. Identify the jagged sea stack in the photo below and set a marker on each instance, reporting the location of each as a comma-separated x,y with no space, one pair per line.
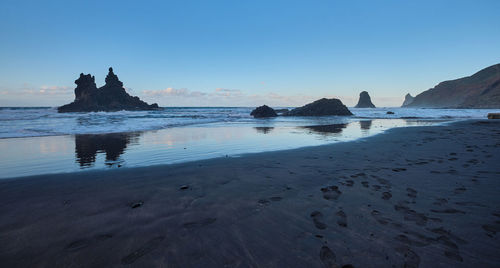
110,97
408,99
364,101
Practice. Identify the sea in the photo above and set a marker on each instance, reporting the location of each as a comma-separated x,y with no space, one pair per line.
39,140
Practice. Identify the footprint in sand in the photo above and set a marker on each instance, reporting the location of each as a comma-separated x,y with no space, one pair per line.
143,250
492,229
77,245
378,217
349,183
365,184
327,256
411,215
448,211
342,218
411,192
412,260
460,190
386,195
376,187
318,220
451,249
200,223
331,192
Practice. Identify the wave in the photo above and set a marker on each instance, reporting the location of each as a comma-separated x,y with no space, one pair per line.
45,121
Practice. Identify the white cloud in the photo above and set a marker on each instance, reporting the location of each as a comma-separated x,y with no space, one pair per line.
226,97
40,91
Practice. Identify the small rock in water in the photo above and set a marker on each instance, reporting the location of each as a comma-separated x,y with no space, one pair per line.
494,116
263,111
184,187
389,112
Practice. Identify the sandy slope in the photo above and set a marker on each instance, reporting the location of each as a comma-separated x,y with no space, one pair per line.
423,196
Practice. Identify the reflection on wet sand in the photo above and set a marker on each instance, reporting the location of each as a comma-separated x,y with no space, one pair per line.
263,130
326,129
365,125
88,145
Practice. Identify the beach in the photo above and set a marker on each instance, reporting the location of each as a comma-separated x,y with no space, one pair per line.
423,196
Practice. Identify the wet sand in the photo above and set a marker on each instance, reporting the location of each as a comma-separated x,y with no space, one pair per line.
419,196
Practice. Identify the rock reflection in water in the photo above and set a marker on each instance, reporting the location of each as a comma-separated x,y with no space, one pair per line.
88,145
365,125
326,129
263,130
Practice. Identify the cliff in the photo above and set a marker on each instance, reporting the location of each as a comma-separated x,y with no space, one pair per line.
408,99
110,97
481,90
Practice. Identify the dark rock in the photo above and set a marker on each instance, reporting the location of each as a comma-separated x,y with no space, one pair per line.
321,107
494,116
389,112
408,99
281,111
364,101
110,97
263,111
480,90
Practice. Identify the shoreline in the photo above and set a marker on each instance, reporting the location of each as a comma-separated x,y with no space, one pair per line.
54,154
408,196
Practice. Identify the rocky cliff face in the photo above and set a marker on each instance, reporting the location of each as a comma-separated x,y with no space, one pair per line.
481,90
408,99
320,108
364,101
110,97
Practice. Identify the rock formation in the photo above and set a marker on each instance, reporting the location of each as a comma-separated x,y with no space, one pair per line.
364,101
408,99
481,90
110,97
263,111
320,108
494,116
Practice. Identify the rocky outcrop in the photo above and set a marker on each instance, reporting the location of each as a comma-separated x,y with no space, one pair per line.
281,111
408,99
494,116
481,90
364,101
320,108
263,111
110,97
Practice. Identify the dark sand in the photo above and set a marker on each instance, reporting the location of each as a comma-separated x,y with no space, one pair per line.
420,196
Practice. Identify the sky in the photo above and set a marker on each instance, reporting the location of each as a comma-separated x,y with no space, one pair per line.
243,53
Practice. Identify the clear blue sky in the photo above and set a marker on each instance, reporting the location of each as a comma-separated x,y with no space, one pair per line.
243,53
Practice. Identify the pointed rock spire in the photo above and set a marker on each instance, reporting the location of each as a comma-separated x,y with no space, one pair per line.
364,101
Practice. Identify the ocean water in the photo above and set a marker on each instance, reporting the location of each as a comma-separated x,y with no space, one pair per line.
37,141
44,121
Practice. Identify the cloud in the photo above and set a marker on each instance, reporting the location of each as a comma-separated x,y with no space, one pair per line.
40,91
224,97
169,91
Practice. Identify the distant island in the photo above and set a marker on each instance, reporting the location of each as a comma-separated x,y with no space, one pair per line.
110,97
364,101
481,90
